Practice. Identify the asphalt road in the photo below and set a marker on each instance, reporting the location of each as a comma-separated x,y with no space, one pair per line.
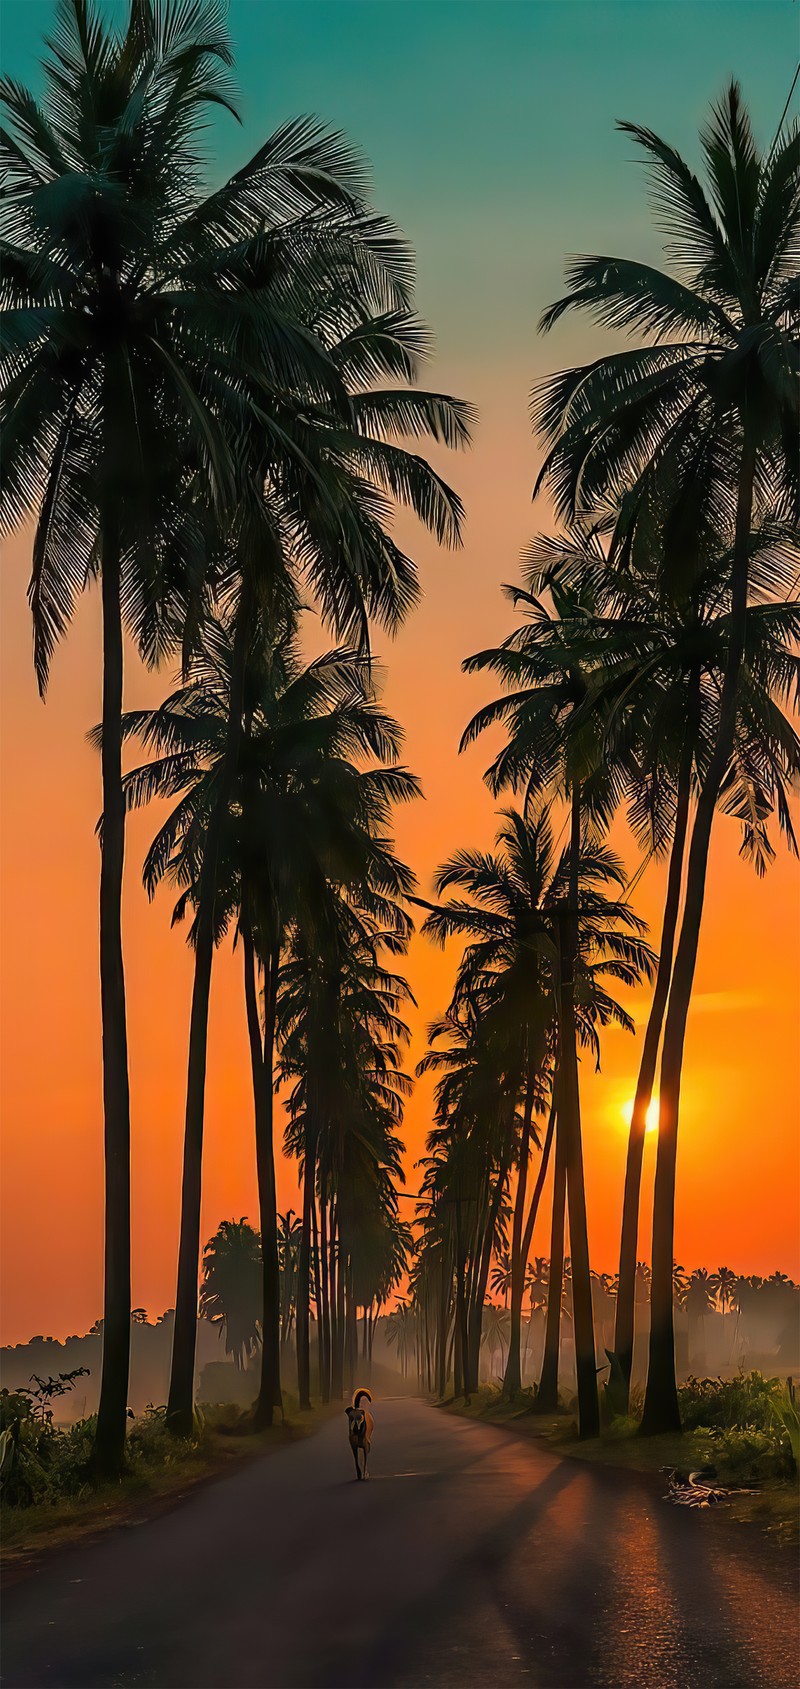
470,1557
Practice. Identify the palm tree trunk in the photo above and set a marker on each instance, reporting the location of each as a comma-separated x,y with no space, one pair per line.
304,1276
318,1295
518,1289
661,1412
628,1251
462,1343
109,1445
512,1379
570,1111
547,1393
442,1323
538,1188
180,1401
337,1370
482,1277
270,1394
325,1312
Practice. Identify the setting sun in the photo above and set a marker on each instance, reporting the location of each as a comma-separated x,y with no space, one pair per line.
652,1114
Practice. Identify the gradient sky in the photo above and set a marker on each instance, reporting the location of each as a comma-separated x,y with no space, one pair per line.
490,128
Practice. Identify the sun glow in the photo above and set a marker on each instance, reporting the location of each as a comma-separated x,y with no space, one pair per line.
652,1113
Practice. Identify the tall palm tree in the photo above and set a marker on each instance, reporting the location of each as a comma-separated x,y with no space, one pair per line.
139,315
230,1292
330,524
300,811
512,921
289,1229
340,1038
701,421
470,1151
658,664
509,958
546,671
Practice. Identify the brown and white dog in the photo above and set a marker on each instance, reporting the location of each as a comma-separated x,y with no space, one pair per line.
361,1427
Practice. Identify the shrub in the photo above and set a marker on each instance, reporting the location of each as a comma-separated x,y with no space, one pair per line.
744,1455
747,1400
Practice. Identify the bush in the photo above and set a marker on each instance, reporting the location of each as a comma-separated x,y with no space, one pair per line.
748,1400
745,1455
746,1427
46,1463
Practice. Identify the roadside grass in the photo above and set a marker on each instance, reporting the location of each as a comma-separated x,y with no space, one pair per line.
753,1460
161,1469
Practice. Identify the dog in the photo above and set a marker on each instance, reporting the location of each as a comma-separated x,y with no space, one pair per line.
361,1427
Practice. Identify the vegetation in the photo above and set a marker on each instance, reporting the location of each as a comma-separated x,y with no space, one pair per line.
212,410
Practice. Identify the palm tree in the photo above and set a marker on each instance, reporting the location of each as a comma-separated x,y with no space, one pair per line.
506,962
334,522
300,812
495,1331
726,1292
470,1149
340,1037
230,1292
657,670
289,1231
500,1281
701,420
510,970
138,318
400,1333
546,669
536,1284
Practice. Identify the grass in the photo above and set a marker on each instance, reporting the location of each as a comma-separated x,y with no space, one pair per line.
161,1470
753,1458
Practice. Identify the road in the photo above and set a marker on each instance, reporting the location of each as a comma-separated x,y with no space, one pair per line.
472,1556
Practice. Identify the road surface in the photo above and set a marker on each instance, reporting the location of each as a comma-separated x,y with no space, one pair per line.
472,1556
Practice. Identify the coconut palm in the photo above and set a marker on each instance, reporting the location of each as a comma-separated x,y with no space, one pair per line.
300,812
506,962
335,526
140,318
546,669
400,1333
230,1291
657,670
495,1331
509,968
470,1148
289,1232
340,1039
697,427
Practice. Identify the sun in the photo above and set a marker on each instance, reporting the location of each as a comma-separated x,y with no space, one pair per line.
652,1113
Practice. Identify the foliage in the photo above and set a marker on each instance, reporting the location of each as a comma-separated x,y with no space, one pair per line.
230,1294
47,1390
786,1413
744,1454
746,1427
747,1400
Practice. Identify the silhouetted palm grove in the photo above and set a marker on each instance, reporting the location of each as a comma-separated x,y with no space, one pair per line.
213,410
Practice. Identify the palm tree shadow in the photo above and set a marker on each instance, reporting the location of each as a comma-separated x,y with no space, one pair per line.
443,1606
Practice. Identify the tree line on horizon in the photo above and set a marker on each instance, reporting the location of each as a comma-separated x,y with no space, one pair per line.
212,409
753,1322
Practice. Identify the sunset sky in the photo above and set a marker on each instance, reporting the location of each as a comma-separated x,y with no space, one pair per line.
490,128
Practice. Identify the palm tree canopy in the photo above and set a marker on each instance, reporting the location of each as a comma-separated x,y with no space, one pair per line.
662,424
165,349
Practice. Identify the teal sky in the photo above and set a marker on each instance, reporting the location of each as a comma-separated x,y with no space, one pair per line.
489,123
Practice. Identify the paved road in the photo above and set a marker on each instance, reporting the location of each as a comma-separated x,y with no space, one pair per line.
471,1557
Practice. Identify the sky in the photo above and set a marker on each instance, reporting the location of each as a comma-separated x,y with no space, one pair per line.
490,130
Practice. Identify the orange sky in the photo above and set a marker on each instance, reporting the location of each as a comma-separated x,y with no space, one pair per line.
739,1171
